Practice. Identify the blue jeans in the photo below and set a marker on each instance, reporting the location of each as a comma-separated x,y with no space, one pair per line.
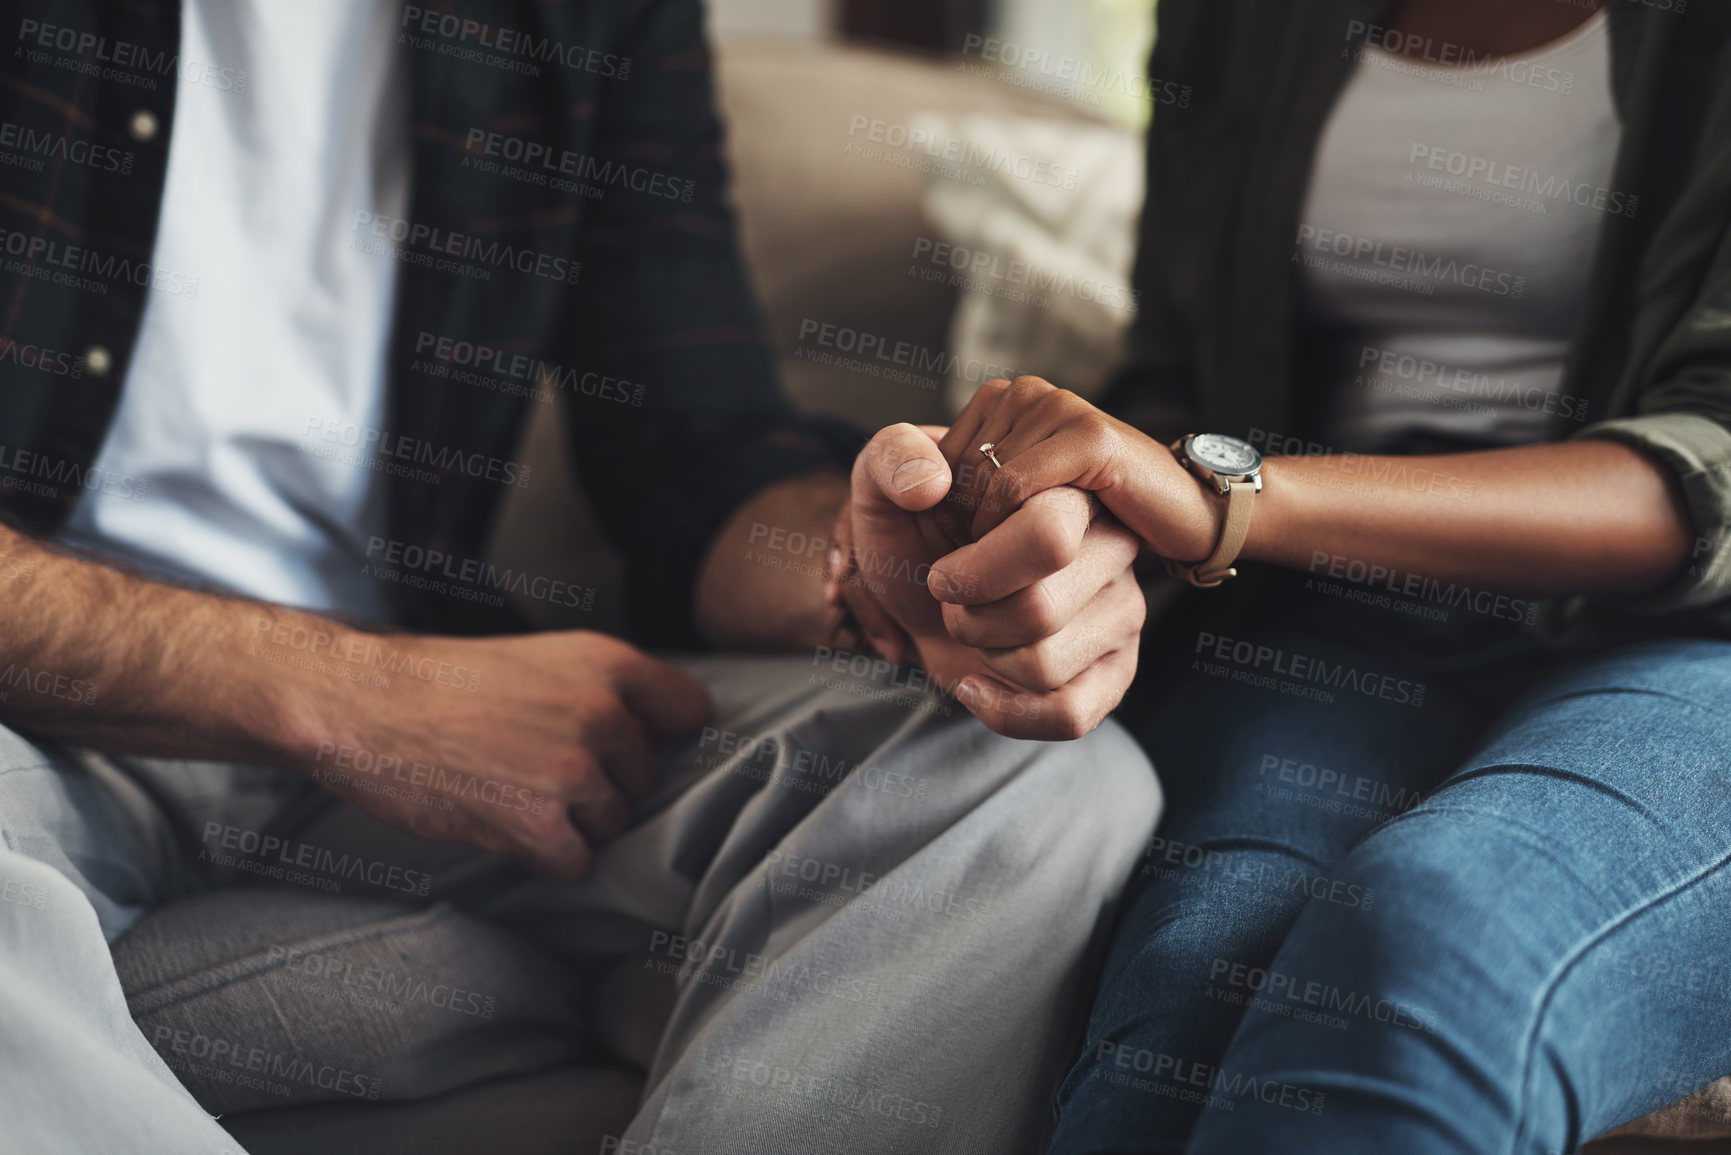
1497,919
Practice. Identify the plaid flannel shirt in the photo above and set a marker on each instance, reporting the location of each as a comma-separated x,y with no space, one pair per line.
634,302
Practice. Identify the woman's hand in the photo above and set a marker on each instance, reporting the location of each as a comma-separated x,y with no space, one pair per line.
1047,437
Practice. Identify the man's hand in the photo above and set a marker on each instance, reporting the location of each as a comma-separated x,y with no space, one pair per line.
539,761
536,743
1039,636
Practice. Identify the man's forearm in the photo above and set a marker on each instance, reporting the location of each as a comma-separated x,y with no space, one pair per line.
107,660
761,585
104,659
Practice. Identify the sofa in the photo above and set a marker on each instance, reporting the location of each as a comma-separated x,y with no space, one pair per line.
559,1068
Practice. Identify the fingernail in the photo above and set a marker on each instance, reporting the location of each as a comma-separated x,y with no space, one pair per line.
832,559
939,585
966,692
914,474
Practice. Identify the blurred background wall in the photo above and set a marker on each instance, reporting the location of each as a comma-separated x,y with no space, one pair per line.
1109,34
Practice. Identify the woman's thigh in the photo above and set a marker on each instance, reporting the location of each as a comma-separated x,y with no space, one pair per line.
1269,783
1548,953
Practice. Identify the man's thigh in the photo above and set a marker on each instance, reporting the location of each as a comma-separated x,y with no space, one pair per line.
898,907
839,871
888,765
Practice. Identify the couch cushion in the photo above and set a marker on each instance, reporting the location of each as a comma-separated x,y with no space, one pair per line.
829,198
1044,264
1703,1115
260,997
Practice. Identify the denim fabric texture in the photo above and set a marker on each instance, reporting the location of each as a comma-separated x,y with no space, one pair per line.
1493,922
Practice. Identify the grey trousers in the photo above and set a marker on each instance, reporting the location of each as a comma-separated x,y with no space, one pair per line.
874,919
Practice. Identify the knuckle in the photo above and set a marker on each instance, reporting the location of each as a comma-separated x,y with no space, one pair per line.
1071,719
1051,545
540,829
962,624
1032,667
988,394
531,840
1043,612
572,768
603,713
1138,608
1065,406
1045,672
1101,432
609,651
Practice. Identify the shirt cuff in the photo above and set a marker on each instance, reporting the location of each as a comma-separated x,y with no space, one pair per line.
1697,450
661,584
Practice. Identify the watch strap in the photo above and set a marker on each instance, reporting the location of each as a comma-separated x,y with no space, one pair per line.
1217,566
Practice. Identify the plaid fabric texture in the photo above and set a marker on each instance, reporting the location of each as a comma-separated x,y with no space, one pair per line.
568,207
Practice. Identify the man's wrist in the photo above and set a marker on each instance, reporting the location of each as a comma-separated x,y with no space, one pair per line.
762,584
300,673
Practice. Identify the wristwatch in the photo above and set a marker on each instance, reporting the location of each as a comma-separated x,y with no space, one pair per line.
1234,469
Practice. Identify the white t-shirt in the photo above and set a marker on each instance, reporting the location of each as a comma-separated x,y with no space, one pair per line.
1447,238
289,325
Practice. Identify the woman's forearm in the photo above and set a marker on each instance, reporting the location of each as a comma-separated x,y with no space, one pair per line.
1580,517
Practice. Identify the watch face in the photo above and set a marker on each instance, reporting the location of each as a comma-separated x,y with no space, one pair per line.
1225,455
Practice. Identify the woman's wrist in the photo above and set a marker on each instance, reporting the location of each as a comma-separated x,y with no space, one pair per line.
1195,517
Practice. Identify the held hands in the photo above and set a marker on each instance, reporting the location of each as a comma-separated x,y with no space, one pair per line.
1012,586
1034,630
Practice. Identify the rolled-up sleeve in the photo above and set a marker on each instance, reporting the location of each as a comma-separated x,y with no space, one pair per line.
1680,375
1697,451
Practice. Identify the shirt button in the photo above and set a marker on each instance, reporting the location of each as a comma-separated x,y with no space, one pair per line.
98,361
143,125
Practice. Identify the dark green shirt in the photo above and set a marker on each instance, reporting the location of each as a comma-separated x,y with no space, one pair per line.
1218,342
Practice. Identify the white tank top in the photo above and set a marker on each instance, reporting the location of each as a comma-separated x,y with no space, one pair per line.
1448,234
